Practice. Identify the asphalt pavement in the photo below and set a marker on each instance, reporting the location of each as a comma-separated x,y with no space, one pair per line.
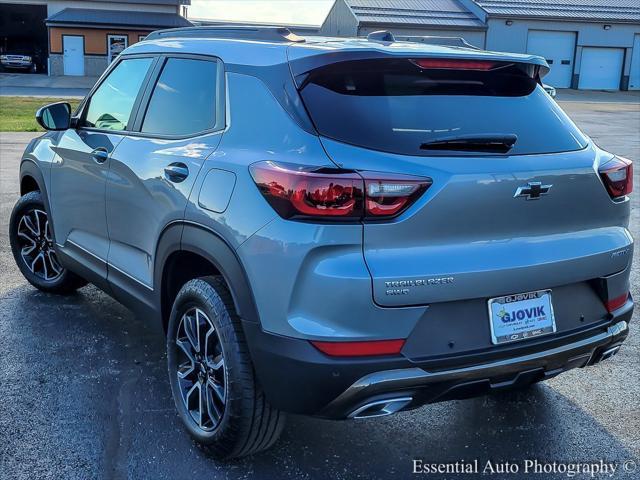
84,391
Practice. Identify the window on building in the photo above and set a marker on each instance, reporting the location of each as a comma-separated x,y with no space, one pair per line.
111,104
184,98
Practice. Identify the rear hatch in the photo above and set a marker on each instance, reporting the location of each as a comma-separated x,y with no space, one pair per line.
515,204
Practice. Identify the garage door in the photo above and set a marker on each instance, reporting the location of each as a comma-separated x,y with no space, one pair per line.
558,48
634,77
601,68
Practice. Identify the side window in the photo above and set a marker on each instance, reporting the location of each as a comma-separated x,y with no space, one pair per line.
184,99
111,104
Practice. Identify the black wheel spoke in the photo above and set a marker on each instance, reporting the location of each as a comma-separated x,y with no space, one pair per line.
200,369
192,331
215,412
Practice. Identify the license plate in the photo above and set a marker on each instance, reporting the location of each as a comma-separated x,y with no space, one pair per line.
521,316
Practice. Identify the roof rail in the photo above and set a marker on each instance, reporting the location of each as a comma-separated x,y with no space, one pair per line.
241,32
444,41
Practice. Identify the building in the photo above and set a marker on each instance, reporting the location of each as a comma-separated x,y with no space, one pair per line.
589,44
407,18
81,37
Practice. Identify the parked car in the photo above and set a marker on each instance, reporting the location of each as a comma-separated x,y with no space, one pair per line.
344,228
18,60
550,90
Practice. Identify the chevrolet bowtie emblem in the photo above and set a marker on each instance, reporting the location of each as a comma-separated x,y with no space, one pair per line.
532,191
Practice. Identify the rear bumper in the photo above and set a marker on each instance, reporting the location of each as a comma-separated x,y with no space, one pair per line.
299,379
426,387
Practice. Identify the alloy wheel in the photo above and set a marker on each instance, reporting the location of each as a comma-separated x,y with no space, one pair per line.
36,245
200,369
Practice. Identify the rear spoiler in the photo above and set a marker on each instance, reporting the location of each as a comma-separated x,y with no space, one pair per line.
304,60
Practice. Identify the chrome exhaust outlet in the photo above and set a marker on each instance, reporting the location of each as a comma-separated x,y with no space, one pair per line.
609,353
381,408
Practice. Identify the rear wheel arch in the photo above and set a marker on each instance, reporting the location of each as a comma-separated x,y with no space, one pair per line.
187,251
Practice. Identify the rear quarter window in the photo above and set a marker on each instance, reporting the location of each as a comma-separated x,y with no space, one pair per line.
397,106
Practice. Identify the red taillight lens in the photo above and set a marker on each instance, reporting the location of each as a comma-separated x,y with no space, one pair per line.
308,192
617,176
453,64
295,191
360,349
616,303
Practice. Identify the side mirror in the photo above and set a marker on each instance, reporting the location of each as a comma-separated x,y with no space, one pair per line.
56,116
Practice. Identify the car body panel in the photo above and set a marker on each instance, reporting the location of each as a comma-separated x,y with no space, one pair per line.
141,200
468,236
77,194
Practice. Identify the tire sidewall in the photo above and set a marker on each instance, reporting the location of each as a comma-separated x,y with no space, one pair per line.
199,293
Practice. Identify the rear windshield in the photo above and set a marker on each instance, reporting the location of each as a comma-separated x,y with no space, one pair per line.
406,106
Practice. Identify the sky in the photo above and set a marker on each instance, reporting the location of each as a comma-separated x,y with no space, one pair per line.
294,12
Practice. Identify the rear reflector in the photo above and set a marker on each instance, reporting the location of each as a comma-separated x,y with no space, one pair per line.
309,192
452,64
360,349
617,176
616,303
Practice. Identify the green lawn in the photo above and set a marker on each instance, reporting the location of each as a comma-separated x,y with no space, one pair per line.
18,114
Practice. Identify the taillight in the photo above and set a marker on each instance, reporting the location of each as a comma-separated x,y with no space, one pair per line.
360,349
616,303
617,176
310,192
297,191
389,195
453,64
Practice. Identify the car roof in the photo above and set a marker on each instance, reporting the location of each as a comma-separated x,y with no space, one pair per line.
274,45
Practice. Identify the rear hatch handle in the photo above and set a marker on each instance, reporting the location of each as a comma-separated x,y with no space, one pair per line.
490,143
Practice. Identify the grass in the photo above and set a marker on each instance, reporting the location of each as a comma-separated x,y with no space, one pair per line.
18,114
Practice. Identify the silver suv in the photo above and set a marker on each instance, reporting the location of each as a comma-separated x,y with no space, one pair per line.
343,228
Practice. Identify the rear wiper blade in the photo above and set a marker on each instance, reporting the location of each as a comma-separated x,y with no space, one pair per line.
489,143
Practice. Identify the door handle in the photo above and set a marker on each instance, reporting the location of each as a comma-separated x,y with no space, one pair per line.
100,155
176,172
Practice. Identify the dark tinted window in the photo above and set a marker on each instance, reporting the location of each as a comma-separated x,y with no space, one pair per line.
110,106
184,99
398,106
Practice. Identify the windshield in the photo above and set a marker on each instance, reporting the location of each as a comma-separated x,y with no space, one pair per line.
401,105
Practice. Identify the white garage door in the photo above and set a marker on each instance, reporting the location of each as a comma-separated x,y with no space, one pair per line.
634,77
73,55
601,68
558,48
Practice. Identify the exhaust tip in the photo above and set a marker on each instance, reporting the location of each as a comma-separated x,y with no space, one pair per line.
610,352
381,408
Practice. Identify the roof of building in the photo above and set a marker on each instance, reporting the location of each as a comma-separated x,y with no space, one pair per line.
438,13
106,18
591,10
149,2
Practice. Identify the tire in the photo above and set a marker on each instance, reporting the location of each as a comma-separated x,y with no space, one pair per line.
238,420
29,227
